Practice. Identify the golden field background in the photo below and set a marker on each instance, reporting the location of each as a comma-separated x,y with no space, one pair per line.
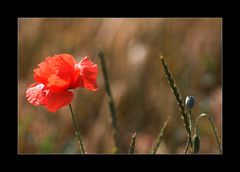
193,52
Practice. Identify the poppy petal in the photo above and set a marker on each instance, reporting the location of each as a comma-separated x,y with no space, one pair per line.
60,67
57,99
56,83
76,79
36,93
88,72
42,73
64,64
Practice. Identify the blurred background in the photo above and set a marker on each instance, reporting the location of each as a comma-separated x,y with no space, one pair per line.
143,98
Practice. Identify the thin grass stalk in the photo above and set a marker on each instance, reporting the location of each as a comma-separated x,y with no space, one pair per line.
110,101
160,136
132,144
180,104
213,127
186,148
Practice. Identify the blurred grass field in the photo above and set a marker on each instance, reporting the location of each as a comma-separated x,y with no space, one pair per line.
192,49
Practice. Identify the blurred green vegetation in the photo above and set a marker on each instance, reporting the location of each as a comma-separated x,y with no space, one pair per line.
192,49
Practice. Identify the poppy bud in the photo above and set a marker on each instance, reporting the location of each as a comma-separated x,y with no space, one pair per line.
196,143
189,102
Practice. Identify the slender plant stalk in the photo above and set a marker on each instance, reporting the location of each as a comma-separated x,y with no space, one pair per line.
160,136
110,101
132,144
213,127
190,120
180,104
190,126
186,148
77,130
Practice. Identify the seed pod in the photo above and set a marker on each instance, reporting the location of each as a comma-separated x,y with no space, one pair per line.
196,143
189,102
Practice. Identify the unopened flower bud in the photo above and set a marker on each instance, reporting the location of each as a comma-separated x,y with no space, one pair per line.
189,102
196,143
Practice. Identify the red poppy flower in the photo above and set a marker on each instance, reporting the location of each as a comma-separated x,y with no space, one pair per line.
56,75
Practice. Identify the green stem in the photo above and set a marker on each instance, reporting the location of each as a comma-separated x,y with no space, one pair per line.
77,130
213,127
160,136
110,101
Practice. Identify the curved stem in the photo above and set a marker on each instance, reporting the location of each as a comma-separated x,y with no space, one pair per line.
77,130
213,127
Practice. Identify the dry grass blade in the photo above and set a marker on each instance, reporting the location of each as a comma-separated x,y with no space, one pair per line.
132,144
180,104
110,101
160,136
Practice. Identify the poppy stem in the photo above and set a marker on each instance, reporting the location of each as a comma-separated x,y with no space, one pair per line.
77,130
213,127
110,101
